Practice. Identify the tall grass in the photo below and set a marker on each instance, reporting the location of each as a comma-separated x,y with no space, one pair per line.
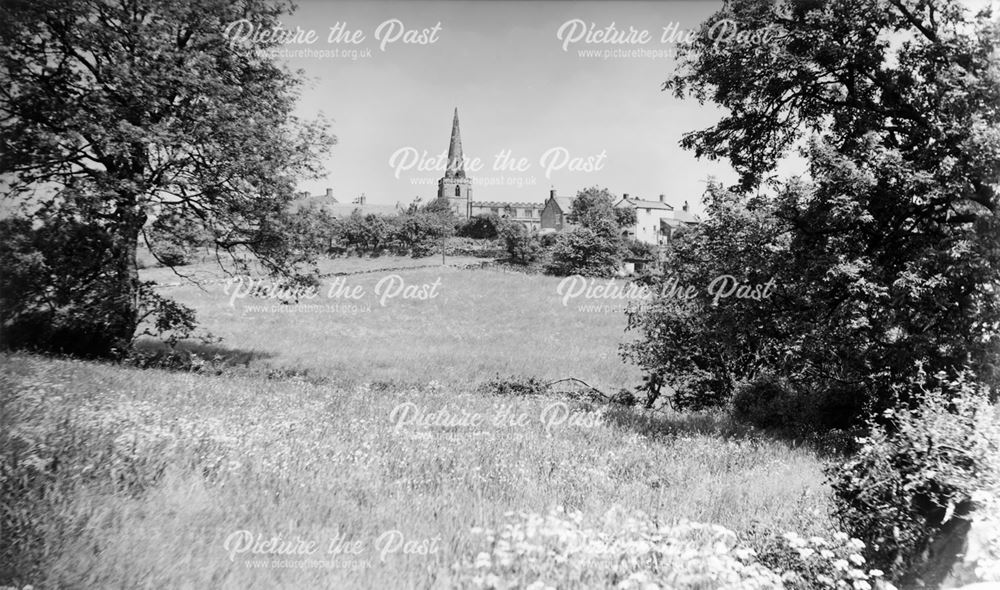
120,477
125,478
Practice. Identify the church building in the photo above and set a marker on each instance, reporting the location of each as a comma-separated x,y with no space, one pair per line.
454,185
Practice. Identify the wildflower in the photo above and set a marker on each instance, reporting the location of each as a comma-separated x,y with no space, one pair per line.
862,585
805,552
826,554
856,559
839,536
840,564
875,573
483,560
818,541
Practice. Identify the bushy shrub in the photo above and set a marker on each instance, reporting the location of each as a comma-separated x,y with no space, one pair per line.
767,403
548,239
58,292
818,563
514,385
772,403
481,227
640,250
522,246
918,469
419,234
587,251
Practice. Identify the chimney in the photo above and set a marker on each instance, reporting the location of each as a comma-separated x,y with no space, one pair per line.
663,198
685,205
329,193
624,195
552,193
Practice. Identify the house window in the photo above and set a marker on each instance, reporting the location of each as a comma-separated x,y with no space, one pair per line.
458,191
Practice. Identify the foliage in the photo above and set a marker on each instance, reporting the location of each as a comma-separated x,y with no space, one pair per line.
58,292
422,233
364,234
919,468
818,563
623,551
523,246
701,346
625,216
99,455
639,249
889,250
595,251
118,113
516,385
172,238
418,232
770,402
594,205
481,227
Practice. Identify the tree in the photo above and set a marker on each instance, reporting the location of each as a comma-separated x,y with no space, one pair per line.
596,247
891,249
125,111
593,205
523,246
701,339
481,227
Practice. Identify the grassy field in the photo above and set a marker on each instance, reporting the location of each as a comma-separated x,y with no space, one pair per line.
480,323
118,477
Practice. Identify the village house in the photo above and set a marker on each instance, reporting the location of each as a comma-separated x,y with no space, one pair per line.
331,205
656,222
557,213
527,214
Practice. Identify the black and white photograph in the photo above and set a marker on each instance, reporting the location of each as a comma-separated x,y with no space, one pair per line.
500,294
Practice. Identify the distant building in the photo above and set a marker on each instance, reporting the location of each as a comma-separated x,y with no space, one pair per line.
649,216
655,221
454,186
557,213
680,219
332,206
527,214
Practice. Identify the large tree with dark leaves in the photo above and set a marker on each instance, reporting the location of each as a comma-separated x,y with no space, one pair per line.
886,253
117,112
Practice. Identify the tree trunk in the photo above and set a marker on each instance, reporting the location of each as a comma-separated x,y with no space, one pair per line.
125,302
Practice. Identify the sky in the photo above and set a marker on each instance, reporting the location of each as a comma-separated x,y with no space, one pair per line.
565,120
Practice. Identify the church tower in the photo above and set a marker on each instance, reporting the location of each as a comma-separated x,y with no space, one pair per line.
454,186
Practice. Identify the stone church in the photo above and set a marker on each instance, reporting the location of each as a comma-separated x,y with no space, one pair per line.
456,187
656,221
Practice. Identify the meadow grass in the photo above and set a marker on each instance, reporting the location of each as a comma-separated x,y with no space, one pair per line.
481,323
120,477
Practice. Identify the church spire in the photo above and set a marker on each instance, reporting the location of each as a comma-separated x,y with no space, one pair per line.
456,164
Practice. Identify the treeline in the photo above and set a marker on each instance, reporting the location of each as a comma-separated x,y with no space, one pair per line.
596,244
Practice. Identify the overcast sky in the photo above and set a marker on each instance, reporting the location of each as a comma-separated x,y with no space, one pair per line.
503,65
